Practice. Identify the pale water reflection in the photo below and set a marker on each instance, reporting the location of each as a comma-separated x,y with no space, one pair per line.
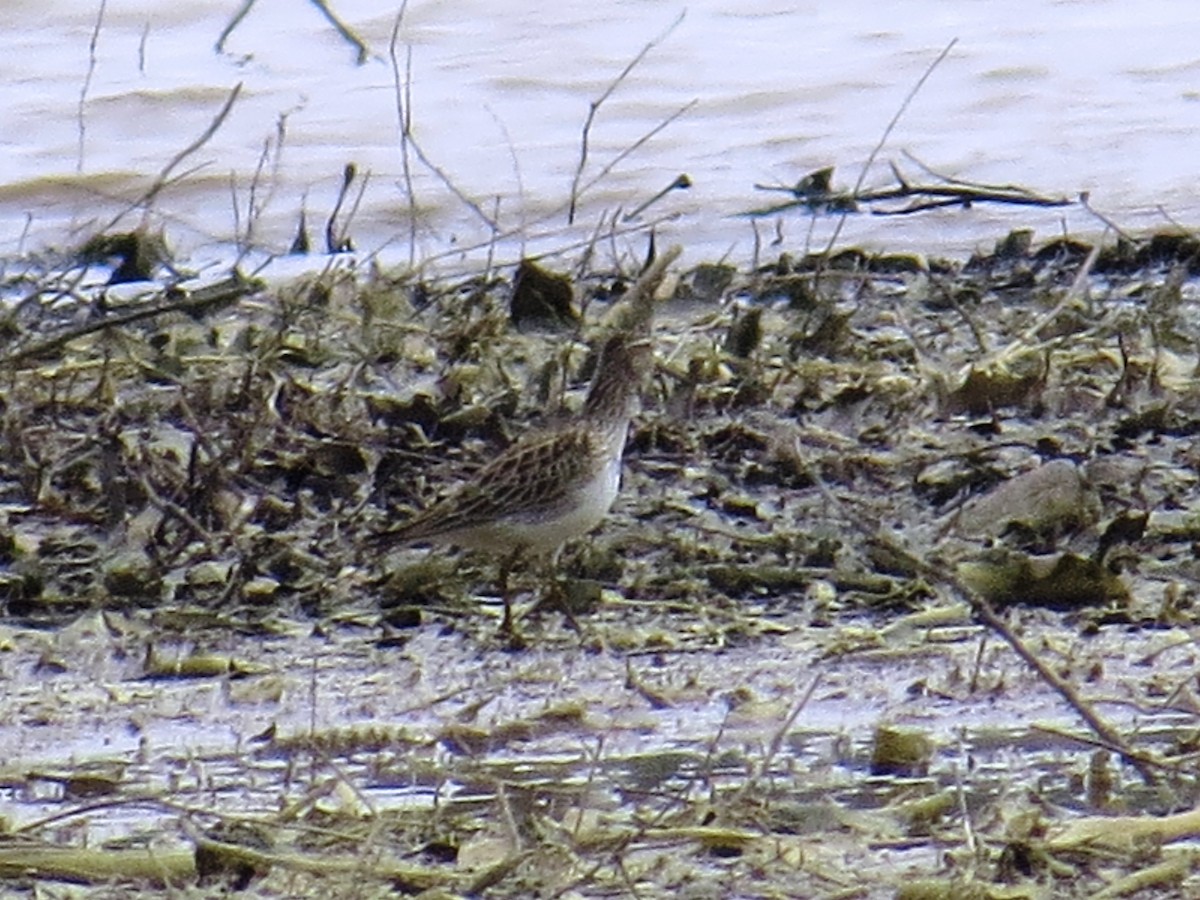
1082,95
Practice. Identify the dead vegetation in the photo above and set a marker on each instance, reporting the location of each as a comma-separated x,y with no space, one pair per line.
833,449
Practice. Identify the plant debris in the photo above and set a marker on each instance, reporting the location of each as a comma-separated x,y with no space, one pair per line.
222,685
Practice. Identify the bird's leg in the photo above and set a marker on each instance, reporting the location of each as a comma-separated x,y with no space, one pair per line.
506,566
556,593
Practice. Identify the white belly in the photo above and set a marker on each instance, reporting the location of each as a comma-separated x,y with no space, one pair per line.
547,531
587,510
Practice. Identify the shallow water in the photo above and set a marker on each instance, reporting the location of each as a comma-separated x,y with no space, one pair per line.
1083,95
388,717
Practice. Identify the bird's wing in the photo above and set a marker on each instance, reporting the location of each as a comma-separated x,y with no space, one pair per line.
536,473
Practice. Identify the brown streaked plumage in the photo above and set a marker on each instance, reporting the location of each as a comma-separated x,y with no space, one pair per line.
551,486
554,485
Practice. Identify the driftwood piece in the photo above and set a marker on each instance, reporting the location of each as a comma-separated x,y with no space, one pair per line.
814,193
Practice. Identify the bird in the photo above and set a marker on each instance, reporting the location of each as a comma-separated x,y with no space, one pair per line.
560,483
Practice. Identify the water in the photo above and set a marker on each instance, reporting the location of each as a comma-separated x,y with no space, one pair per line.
1063,97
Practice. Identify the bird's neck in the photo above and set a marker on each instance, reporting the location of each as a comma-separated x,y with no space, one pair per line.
613,396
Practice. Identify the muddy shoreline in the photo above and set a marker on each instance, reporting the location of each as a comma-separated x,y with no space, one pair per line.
206,667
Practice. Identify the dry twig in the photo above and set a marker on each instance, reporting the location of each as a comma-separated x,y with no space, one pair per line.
164,176
342,29
403,87
87,83
199,302
594,107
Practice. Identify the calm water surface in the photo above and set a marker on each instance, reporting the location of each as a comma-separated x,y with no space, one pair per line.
1062,97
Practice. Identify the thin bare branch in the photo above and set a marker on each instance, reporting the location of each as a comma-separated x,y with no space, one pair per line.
912,95
1085,201
233,23
215,295
402,84
335,242
577,192
408,138
983,609
594,107
361,50
164,178
87,83
142,47
344,30
887,132
682,182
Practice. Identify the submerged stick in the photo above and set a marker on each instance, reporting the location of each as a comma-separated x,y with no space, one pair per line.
958,193
334,242
342,29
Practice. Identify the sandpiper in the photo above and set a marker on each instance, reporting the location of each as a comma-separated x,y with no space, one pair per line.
558,484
